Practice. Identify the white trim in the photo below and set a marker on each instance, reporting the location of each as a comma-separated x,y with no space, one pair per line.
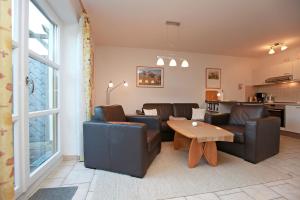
42,113
43,60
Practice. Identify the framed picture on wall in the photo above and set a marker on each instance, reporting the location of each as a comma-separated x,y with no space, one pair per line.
149,77
213,78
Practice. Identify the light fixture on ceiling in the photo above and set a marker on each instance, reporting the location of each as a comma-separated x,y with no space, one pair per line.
172,63
271,51
172,59
275,45
160,61
185,63
283,47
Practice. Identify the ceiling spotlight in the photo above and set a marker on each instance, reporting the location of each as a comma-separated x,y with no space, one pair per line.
271,51
172,63
160,61
125,83
283,47
184,63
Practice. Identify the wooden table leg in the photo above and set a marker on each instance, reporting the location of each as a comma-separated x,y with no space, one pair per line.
177,142
195,153
181,141
211,153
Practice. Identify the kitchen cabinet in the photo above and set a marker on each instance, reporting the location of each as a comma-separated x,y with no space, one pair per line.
292,118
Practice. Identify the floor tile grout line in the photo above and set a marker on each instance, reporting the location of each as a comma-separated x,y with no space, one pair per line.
94,173
68,173
279,193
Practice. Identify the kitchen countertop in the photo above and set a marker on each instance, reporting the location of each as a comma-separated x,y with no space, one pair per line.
267,103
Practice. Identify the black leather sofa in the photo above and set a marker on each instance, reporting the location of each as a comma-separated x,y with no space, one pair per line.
165,110
119,143
256,135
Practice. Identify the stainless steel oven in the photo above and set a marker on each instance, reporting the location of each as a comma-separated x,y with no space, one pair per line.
277,110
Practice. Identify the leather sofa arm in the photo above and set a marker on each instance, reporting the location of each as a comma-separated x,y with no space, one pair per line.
120,147
262,138
152,122
217,119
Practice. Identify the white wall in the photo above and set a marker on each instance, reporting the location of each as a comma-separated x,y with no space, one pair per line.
181,85
70,77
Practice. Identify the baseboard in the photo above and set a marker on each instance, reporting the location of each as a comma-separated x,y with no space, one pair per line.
70,157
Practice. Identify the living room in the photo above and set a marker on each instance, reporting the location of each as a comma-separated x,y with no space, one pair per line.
176,100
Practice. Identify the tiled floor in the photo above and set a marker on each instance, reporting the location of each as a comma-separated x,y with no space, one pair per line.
288,161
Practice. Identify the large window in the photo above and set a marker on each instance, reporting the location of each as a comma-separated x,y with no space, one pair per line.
42,82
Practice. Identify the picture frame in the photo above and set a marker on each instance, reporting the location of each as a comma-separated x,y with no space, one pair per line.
149,77
213,78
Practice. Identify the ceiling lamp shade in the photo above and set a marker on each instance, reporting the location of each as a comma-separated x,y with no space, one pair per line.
185,63
283,47
172,63
160,61
271,51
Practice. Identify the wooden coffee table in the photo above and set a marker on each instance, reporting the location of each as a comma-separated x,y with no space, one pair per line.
201,140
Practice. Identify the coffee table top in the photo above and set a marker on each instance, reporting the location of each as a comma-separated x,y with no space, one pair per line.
204,132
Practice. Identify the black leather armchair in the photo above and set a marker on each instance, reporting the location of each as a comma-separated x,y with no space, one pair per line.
119,143
256,135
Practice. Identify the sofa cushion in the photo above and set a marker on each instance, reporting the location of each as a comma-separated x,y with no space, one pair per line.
153,139
238,131
184,109
198,113
240,114
150,112
114,113
164,110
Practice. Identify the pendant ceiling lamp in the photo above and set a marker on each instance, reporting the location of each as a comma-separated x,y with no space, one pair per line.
172,60
172,63
160,61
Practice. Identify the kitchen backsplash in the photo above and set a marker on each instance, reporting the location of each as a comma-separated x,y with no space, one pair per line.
285,92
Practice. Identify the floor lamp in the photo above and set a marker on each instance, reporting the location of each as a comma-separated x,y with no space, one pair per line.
111,88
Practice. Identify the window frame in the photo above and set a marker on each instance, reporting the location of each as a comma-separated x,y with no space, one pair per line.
24,180
55,64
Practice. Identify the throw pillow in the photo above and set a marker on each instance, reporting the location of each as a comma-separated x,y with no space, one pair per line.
176,118
198,114
150,112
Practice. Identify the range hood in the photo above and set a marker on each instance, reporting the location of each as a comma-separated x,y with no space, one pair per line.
279,79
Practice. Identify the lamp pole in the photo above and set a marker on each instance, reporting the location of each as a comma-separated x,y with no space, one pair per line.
110,89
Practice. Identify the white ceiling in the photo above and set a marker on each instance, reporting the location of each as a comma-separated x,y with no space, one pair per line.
226,27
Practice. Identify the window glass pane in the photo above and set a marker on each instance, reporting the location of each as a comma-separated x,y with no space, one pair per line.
42,86
41,33
42,138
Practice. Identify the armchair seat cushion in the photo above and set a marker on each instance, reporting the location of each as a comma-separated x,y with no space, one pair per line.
238,131
153,139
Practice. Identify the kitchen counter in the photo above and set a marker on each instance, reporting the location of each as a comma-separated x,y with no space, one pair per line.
266,103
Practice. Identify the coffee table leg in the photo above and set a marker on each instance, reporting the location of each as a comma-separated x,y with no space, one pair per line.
177,142
195,153
211,153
